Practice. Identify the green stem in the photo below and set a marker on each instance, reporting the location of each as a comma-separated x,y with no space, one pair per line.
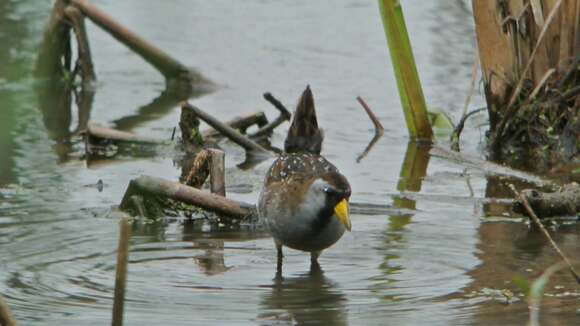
406,74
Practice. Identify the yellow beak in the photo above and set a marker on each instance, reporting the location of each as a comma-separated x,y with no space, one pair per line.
342,212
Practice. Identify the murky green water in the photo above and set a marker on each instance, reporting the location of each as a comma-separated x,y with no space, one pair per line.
445,259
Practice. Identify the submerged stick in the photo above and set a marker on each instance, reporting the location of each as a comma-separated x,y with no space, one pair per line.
545,232
121,272
176,191
379,129
6,316
164,63
227,131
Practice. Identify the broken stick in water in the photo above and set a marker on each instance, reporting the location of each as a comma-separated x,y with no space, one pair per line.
379,129
285,115
545,232
121,272
232,134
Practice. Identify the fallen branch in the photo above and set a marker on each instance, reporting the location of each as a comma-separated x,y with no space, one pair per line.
488,168
232,134
241,124
285,115
545,232
565,202
121,272
379,129
164,63
172,190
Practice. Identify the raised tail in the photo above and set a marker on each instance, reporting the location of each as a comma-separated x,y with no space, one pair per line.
304,135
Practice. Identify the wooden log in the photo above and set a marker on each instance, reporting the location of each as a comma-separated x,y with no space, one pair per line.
176,191
217,172
168,66
121,272
232,134
565,202
97,133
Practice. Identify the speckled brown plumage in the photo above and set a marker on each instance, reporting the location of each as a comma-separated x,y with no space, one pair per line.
302,189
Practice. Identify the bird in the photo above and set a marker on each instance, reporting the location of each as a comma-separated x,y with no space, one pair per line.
304,200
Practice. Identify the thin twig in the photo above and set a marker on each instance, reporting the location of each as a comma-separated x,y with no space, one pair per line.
227,131
121,272
545,232
285,115
379,129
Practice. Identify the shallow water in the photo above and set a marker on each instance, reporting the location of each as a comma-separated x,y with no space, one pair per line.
444,256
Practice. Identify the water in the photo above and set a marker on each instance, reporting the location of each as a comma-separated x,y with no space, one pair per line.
444,256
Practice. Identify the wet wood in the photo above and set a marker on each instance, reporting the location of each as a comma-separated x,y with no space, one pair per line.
284,115
565,202
168,66
240,123
232,134
121,271
148,185
96,133
217,169
6,316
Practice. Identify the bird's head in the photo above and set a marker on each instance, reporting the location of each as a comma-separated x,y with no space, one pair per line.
330,193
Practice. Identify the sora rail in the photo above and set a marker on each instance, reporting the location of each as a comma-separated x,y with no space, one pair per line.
304,199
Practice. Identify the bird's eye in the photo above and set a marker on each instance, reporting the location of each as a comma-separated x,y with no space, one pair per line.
330,191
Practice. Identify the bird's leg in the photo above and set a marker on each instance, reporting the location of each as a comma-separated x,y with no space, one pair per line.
279,251
314,256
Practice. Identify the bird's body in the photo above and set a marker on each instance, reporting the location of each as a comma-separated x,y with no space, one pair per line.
304,200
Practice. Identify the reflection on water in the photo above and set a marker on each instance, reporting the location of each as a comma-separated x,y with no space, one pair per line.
307,299
447,259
